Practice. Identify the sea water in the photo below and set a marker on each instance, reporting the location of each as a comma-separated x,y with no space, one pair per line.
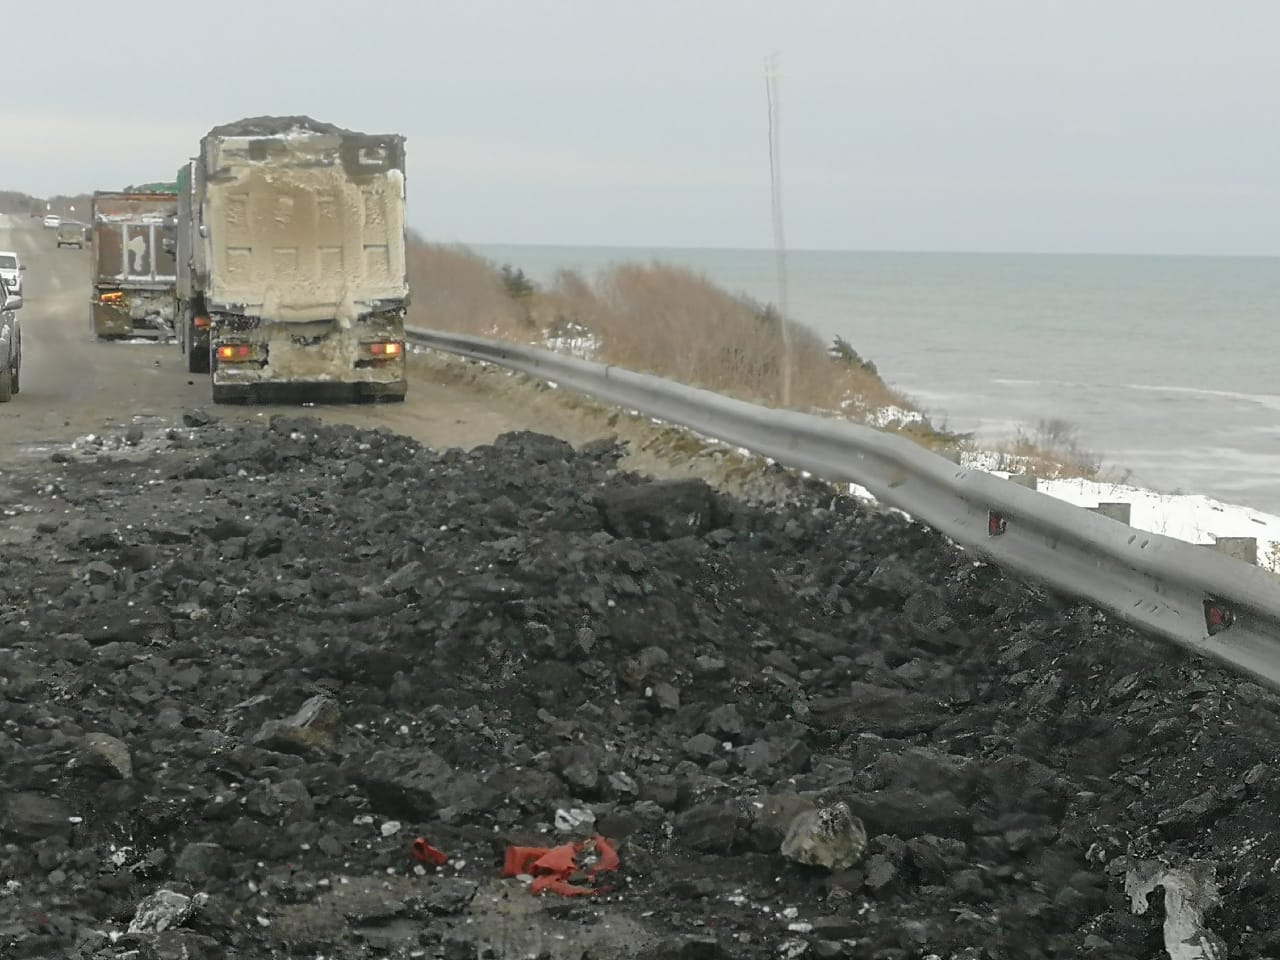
1164,366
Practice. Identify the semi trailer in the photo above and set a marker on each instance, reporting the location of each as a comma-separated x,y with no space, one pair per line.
291,251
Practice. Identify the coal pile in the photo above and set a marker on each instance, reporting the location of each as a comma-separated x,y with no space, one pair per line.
240,680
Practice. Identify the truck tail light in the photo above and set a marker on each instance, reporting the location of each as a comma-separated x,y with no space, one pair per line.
235,352
386,348
111,296
200,322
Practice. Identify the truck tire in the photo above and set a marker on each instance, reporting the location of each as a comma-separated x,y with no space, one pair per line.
14,380
6,386
197,359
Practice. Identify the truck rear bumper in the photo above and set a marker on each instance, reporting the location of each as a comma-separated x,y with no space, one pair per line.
298,391
135,313
313,361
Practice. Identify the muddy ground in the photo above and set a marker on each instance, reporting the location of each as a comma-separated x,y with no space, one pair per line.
244,666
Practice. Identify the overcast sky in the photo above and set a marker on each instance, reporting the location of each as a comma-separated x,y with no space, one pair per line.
1019,125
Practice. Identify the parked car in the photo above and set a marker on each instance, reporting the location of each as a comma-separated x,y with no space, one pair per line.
11,269
52,220
71,234
10,344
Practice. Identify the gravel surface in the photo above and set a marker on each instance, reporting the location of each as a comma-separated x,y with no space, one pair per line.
243,667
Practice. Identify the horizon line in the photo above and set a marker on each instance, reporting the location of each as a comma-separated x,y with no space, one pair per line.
863,250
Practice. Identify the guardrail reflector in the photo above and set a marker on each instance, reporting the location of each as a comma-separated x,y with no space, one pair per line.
1217,616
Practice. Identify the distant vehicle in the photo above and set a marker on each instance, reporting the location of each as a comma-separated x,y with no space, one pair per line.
71,234
134,270
293,233
11,269
52,220
10,344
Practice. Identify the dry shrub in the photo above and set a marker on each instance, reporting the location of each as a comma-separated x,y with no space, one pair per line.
452,288
655,318
673,322
1051,450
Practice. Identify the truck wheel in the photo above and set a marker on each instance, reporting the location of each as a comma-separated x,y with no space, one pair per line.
6,386
197,359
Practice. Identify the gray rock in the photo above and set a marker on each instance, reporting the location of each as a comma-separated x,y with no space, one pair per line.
450,896
689,947
1187,818
660,510
161,911
200,862
104,753
137,557
779,757
702,746
710,667
885,711
636,670
708,828
311,730
34,816
581,767
910,813
666,696
830,837
882,875
725,720
406,578
99,571
405,784
293,799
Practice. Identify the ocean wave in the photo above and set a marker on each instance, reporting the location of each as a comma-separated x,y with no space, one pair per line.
1269,400
1014,382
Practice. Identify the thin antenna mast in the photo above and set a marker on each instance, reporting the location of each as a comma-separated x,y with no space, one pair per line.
773,96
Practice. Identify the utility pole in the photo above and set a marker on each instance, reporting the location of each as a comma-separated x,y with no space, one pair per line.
773,97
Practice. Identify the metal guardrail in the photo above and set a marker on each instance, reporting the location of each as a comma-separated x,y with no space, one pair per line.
1209,603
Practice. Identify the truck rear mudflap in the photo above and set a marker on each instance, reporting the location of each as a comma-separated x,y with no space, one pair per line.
314,391
122,313
284,362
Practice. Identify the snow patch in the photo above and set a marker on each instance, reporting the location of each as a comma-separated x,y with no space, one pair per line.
1189,517
882,417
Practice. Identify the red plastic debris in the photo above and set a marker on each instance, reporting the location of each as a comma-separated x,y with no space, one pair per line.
424,852
552,868
521,860
557,859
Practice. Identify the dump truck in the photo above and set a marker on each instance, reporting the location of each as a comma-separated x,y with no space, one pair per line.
296,231
192,320
134,269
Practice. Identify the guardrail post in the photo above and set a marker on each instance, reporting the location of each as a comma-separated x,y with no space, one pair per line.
1116,511
1027,480
1241,548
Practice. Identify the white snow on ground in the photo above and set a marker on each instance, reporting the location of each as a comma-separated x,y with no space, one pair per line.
986,460
584,348
883,416
1189,517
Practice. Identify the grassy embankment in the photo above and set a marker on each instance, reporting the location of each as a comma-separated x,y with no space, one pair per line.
669,321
